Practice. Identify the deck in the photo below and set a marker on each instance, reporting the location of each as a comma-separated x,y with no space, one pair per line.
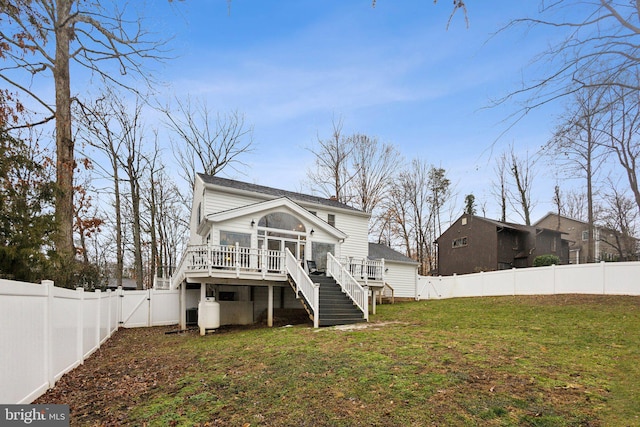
233,263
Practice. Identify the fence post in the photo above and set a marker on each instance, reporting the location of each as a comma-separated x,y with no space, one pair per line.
150,308
79,325
48,334
109,313
603,276
98,317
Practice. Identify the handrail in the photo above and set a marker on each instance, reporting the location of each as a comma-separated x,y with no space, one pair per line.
386,285
178,274
358,293
304,284
236,258
363,268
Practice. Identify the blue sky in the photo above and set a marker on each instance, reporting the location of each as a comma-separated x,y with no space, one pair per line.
394,71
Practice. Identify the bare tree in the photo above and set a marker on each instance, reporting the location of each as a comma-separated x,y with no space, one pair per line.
577,147
134,164
396,211
620,218
55,35
574,205
332,171
204,141
499,185
166,219
99,129
522,173
414,187
621,130
374,164
598,47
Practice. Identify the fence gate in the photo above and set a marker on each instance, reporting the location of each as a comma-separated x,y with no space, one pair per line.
135,308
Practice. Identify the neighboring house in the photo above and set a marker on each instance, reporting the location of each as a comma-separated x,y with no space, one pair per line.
400,271
473,244
251,246
609,245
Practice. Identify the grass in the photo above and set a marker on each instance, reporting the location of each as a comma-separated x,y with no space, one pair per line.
504,361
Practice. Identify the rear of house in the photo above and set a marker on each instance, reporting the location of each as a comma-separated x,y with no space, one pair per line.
251,248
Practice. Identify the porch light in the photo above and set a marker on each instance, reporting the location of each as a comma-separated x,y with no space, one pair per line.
253,223
311,232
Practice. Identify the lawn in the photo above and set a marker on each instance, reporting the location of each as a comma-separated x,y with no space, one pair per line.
505,361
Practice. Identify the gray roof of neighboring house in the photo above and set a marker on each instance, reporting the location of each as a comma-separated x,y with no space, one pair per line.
276,192
378,250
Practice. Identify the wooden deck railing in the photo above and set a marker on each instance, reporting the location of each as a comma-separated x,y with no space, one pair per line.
357,292
364,269
304,285
212,258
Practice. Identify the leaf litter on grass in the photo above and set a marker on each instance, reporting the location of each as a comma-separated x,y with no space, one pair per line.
553,360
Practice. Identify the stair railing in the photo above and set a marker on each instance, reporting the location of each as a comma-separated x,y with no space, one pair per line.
304,285
387,286
359,294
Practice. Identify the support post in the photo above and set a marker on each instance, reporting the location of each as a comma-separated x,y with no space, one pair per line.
373,300
270,307
183,306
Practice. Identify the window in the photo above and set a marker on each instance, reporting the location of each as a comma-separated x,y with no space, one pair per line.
459,242
331,219
585,235
230,238
199,213
319,251
281,221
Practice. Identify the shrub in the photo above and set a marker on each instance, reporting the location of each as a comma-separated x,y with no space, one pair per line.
545,260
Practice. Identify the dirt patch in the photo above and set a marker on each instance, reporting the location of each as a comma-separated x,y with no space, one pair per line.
114,378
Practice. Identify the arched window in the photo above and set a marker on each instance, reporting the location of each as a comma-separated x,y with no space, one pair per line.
281,221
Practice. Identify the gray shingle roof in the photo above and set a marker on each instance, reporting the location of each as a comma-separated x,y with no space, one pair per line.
275,192
377,251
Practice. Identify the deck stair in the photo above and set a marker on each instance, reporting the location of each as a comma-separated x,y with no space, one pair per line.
336,308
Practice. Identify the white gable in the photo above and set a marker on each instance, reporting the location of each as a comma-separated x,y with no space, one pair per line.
258,209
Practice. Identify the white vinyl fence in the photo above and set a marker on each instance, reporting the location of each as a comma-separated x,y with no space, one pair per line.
47,331
609,278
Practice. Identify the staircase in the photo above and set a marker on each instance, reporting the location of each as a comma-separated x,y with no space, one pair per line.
336,308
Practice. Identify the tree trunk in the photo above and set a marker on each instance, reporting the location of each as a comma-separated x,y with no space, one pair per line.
118,209
64,138
591,255
137,239
152,230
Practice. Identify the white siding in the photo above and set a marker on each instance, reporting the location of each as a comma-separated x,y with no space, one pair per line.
219,201
402,278
355,225
357,230
194,239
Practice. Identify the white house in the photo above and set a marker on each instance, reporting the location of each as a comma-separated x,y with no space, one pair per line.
400,271
254,249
